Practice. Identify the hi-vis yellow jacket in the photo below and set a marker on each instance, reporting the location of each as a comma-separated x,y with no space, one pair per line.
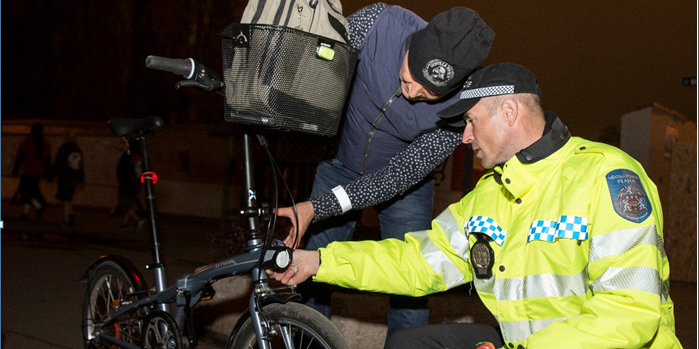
578,259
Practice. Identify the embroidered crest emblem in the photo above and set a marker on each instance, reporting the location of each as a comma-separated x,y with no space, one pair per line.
628,195
438,72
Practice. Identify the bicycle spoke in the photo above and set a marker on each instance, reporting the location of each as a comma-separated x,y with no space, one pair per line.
287,336
294,326
106,290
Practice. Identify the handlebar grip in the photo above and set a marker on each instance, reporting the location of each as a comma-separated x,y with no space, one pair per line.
184,67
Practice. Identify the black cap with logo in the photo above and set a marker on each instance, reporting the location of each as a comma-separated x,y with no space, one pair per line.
452,44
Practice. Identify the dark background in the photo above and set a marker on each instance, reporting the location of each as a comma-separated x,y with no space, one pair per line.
84,59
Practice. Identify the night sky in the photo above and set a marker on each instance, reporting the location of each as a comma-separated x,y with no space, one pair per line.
84,60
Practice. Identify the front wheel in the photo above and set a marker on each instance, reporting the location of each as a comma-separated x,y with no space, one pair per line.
292,325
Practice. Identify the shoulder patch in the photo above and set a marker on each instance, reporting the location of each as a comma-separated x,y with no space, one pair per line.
629,198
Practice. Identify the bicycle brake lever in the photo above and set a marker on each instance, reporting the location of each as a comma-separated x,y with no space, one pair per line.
213,86
192,83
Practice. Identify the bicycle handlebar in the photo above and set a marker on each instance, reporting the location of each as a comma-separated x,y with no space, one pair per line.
197,74
184,67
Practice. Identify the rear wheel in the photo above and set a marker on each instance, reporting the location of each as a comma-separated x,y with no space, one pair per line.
292,325
107,286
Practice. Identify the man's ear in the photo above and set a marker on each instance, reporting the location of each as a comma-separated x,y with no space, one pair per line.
510,110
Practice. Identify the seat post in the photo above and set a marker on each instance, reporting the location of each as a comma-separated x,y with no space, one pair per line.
148,182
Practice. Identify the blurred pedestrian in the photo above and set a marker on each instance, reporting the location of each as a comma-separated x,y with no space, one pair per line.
129,170
33,161
68,170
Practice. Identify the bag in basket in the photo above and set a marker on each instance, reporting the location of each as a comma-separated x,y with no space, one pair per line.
320,17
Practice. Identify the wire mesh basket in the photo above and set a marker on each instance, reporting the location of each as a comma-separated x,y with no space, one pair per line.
284,78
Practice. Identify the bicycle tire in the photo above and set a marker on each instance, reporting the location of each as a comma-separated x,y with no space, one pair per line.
304,323
106,286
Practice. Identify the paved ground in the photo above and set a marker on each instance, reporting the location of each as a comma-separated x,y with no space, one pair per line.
33,316
41,263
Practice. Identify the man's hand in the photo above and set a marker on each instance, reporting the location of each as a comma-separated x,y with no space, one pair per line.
306,214
303,265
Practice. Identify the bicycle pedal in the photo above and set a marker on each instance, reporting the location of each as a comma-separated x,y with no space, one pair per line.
207,293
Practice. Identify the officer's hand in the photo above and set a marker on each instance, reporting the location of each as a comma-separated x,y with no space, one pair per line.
303,265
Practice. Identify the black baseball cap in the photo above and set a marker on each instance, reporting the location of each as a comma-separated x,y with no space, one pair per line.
452,44
493,80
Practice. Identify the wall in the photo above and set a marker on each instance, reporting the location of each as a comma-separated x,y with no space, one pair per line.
648,135
635,133
681,222
664,142
191,163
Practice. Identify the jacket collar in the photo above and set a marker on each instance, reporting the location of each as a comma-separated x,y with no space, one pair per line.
555,136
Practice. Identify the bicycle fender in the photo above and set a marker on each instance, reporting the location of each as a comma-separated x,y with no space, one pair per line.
134,274
282,298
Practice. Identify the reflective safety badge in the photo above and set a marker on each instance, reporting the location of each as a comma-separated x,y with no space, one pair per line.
628,195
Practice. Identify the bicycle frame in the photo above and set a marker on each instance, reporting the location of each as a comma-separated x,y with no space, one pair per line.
189,289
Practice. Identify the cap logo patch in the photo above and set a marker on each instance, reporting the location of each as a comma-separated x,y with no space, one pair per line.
488,91
628,195
438,72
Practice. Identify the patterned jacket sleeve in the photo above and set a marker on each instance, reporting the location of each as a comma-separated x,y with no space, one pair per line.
361,21
404,170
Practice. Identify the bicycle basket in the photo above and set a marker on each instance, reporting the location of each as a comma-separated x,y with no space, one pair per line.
278,77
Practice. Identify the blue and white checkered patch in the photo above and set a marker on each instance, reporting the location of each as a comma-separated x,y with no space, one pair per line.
542,230
567,227
486,225
488,91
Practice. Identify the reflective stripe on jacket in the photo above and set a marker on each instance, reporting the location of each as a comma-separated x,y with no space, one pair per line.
579,260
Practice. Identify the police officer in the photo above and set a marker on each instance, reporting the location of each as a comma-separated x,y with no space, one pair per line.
562,237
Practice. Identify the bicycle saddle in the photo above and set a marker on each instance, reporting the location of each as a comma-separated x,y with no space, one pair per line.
122,126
